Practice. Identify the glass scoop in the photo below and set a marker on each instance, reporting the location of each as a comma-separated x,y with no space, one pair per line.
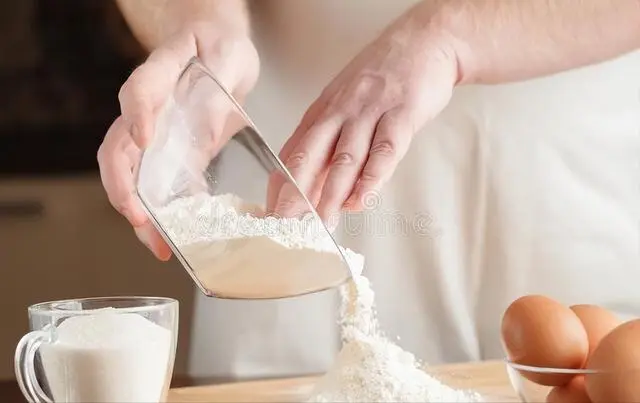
205,182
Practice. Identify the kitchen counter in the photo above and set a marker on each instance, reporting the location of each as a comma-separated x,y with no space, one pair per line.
488,378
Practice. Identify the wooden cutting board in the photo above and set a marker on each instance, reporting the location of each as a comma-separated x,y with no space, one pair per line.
487,378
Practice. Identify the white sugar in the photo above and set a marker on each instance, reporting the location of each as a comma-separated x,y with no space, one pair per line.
107,328
108,356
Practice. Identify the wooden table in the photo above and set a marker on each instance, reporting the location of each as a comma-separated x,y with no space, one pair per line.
488,378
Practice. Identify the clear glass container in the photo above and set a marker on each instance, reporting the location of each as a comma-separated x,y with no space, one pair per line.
102,358
205,181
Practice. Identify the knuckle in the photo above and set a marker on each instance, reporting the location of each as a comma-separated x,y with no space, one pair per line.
383,148
343,158
124,90
285,204
116,202
124,95
368,175
124,211
369,83
100,155
289,206
121,205
297,160
362,87
131,86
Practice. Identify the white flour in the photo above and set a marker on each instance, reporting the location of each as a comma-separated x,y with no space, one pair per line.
108,357
369,368
238,252
202,217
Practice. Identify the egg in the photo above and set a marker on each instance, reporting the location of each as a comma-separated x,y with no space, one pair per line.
597,321
618,357
539,331
573,392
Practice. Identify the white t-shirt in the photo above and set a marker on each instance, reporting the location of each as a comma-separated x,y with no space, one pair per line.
531,187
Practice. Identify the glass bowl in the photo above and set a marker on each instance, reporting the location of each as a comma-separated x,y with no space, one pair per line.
208,157
534,384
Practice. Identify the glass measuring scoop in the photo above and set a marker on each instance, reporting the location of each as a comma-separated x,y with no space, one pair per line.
207,183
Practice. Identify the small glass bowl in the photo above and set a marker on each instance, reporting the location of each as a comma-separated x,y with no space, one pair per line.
528,381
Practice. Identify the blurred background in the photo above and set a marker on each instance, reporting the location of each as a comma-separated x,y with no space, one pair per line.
62,64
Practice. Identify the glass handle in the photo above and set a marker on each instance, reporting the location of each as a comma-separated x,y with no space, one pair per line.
24,365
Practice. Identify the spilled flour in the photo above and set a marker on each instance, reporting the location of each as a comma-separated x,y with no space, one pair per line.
370,368
237,251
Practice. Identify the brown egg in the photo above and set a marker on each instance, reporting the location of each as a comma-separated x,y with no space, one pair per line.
573,392
618,356
541,332
597,321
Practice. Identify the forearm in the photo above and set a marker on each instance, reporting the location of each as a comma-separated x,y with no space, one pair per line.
497,41
153,21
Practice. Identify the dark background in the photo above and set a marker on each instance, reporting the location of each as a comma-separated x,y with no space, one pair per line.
62,64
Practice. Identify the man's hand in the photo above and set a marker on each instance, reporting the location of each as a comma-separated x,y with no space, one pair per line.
233,60
353,136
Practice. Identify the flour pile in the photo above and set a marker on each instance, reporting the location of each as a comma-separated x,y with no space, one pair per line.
202,217
370,368
235,249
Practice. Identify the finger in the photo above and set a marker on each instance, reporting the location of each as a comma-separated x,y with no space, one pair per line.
346,164
390,143
148,87
116,173
152,239
315,194
117,159
277,179
305,163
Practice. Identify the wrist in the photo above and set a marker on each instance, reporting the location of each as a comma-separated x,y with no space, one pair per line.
444,25
229,53
207,33
215,43
200,17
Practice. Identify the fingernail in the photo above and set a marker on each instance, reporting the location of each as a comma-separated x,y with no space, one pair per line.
164,255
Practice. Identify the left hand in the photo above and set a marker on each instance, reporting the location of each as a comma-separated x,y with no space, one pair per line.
352,137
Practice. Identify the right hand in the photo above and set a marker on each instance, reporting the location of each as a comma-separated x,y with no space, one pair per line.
233,60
